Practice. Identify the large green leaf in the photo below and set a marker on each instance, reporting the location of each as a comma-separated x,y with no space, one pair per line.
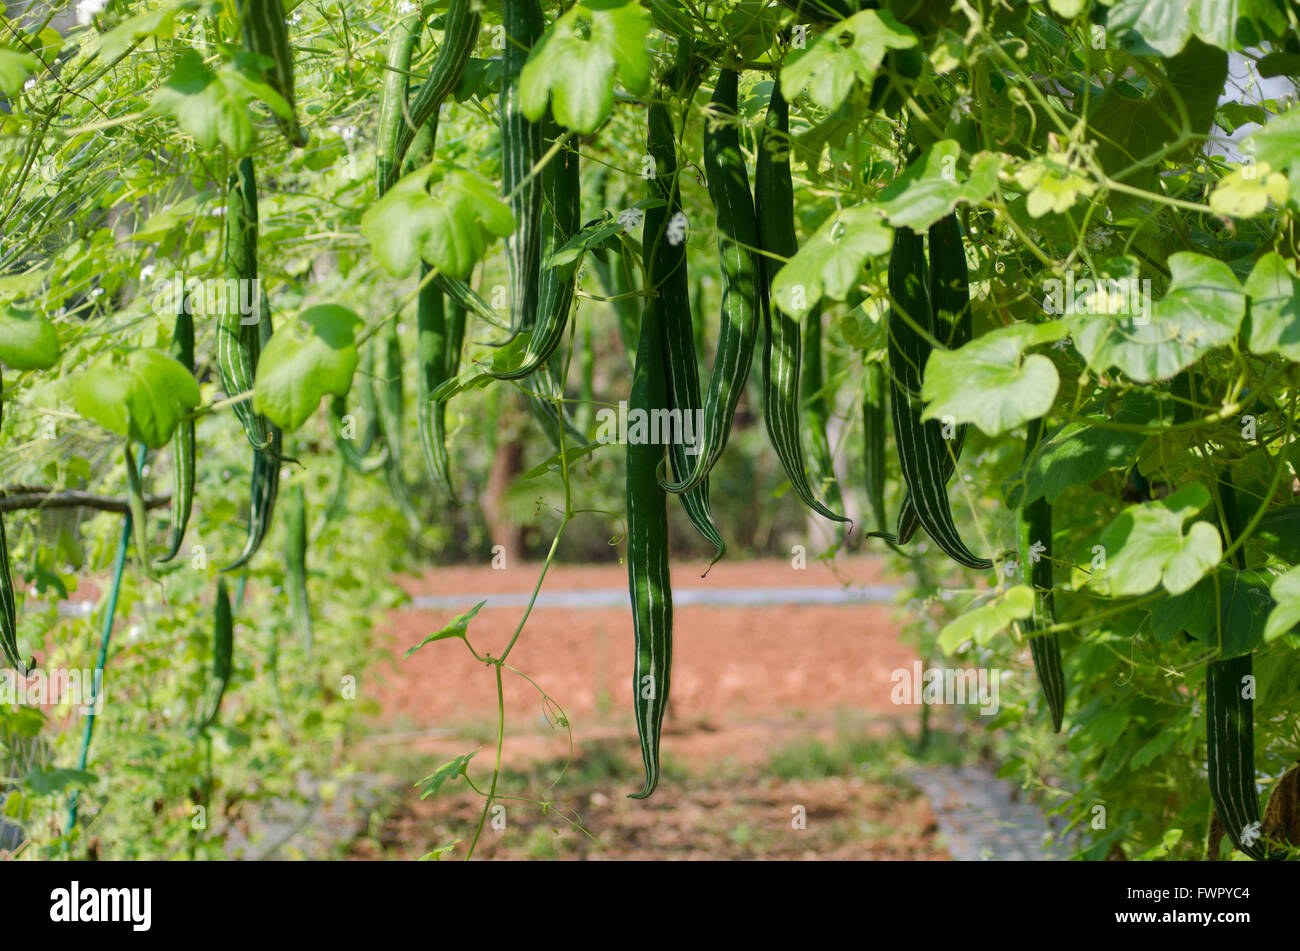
1145,545
158,24
305,361
1274,293
451,229
1167,25
14,67
27,342
849,51
985,622
1079,452
830,262
574,63
1286,592
1228,604
991,382
1201,310
210,106
138,393
933,186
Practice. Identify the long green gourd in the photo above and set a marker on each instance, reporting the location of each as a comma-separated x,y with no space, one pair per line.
728,185
1230,720
266,32
813,399
223,655
521,152
392,103
666,265
295,562
875,420
265,481
1035,531
783,348
459,36
950,302
183,444
649,583
561,220
921,449
238,334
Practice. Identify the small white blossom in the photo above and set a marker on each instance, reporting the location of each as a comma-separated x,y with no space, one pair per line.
1250,834
959,108
405,7
29,85
147,272
1098,237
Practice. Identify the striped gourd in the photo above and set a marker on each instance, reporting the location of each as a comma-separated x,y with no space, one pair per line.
1036,557
8,600
647,550
783,348
295,562
665,263
223,656
1230,719
728,184
357,456
875,420
921,447
391,403
812,384
265,480
521,152
561,220
265,486
238,337
267,33
441,335
459,36
392,102
182,440
135,502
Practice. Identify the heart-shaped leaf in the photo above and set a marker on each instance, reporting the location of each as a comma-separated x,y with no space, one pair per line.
305,361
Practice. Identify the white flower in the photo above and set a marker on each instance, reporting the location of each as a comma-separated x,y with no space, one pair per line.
87,9
295,18
676,230
29,85
147,272
1250,834
97,292
959,108
405,7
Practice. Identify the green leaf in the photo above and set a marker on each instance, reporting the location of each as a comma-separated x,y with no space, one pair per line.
43,782
457,628
1053,186
305,361
444,774
1286,592
207,105
991,382
1278,143
1167,25
27,342
160,24
1226,610
830,262
932,186
1246,192
437,854
450,229
141,394
849,51
983,623
552,462
1145,545
574,63
1274,293
14,67
1201,310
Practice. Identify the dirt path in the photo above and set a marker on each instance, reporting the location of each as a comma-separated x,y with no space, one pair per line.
776,742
